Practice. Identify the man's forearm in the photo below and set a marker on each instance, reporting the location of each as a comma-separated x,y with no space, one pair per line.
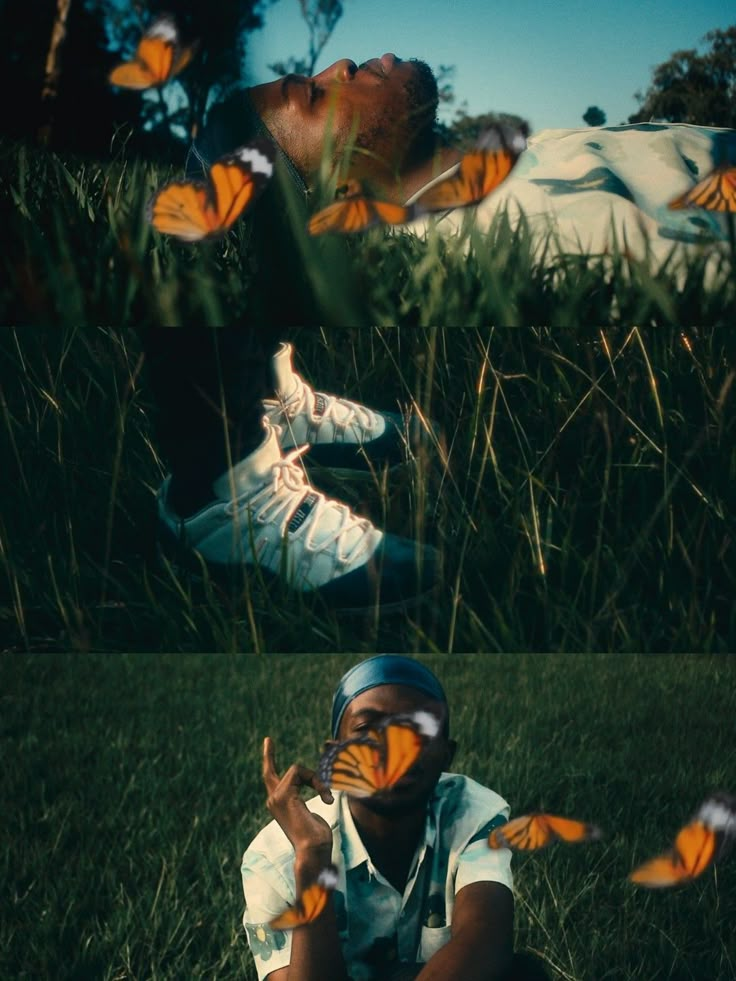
459,960
316,954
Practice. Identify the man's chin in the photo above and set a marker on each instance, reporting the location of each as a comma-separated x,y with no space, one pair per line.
397,803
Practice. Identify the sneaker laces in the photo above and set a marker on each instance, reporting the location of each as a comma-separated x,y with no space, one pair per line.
280,498
340,412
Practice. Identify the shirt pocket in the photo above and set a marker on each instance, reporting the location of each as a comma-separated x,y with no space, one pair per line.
430,941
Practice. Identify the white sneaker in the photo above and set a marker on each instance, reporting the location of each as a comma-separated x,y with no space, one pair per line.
341,434
266,514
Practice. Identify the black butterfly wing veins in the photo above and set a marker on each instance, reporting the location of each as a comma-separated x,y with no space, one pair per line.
351,766
480,171
376,760
715,192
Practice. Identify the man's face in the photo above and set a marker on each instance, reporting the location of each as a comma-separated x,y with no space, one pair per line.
369,102
416,787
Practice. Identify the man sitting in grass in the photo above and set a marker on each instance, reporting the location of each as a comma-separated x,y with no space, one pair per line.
419,892
588,191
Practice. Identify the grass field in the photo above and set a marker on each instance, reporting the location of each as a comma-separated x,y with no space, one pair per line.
132,786
584,498
582,495
79,252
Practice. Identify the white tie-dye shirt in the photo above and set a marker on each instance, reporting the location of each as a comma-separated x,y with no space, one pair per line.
378,926
585,191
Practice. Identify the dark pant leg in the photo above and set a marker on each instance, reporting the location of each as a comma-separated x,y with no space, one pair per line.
208,384
526,967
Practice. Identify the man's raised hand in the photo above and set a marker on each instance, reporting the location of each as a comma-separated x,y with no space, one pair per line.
307,832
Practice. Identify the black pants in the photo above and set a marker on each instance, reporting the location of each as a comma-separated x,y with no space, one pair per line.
208,383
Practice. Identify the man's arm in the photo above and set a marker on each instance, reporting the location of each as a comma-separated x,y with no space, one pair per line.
481,947
316,954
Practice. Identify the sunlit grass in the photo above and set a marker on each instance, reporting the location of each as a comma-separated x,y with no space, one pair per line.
581,494
132,786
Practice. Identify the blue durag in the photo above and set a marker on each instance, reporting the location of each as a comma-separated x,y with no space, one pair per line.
385,669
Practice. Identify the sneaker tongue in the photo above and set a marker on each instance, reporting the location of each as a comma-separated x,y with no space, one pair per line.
252,471
285,381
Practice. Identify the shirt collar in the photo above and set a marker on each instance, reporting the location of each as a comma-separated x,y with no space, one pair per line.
354,852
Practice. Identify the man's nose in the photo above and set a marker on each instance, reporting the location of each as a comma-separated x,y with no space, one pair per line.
341,71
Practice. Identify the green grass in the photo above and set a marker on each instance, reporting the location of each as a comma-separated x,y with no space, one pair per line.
79,251
132,786
581,495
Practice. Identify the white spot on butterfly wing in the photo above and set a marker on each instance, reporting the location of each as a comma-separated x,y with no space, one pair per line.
165,28
258,161
426,722
328,877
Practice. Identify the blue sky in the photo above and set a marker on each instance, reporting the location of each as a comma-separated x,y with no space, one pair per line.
545,61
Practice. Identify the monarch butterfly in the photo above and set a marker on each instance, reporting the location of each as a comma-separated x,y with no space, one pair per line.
195,210
377,760
354,211
716,192
533,831
480,172
310,904
158,57
697,845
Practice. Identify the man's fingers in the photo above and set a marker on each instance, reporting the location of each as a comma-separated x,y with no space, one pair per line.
270,776
296,776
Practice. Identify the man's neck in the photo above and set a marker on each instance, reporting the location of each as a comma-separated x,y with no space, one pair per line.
390,841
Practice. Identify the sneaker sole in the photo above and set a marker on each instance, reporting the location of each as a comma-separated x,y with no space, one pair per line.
233,580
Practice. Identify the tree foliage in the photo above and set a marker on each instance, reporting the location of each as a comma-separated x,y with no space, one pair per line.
464,130
691,87
594,116
88,112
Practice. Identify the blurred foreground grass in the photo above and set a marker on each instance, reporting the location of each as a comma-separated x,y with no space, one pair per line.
79,252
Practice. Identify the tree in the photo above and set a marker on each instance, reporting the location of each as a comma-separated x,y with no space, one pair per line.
594,116
220,30
464,130
321,17
87,111
51,72
692,87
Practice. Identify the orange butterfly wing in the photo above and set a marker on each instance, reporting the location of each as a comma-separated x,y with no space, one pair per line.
310,904
355,212
696,847
194,210
402,746
716,192
353,768
132,75
158,58
183,209
480,173
377,760
531,832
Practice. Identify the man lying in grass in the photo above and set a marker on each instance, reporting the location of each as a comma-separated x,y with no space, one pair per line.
419,893
584,190
235,422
